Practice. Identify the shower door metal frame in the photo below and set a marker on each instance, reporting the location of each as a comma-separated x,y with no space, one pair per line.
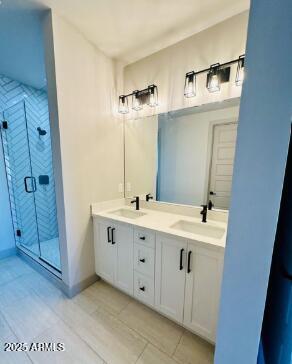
15,221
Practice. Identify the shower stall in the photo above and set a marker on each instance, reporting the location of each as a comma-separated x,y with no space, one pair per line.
26,142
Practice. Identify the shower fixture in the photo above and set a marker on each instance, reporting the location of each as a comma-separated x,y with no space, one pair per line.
41,131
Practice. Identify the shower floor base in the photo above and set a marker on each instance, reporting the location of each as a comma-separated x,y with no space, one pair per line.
49,251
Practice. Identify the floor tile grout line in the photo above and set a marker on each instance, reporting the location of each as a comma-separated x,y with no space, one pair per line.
145,338
67,325
179,341
74,333
75,330
145,347
117,316
87,344
15,335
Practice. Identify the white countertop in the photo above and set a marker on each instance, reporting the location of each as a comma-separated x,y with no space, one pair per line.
161,222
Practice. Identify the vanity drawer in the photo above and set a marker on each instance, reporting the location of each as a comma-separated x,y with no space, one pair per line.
144,237
144,259
144,288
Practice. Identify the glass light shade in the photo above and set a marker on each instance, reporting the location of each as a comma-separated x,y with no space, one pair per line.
190,84
136,101
153,96
240,71
213,79
123,105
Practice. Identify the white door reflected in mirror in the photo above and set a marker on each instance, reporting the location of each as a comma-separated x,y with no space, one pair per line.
183,157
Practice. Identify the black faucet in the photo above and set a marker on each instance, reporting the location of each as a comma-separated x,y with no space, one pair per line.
137,202
204,213
210,205
149,197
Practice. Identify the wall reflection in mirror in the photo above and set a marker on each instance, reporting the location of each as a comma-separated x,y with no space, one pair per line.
183,157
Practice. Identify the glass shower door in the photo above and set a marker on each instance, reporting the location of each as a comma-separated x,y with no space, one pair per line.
39,138
21,183
26,140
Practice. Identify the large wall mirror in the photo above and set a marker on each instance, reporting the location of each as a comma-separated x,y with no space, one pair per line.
185,156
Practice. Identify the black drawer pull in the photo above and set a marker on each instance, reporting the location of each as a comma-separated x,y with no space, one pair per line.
142,260
189,261
108,235
113,229
142,288
181,259
142,237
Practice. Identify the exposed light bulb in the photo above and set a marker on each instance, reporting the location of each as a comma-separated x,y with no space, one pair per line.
190,85
123,105
214,83
213,78
136,102
240,71
153,96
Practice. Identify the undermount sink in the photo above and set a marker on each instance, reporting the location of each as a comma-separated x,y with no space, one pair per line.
129,214
199,229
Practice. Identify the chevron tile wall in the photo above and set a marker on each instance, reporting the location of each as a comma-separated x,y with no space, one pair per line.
27,153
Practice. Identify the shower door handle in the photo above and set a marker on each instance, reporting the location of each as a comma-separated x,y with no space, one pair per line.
33,184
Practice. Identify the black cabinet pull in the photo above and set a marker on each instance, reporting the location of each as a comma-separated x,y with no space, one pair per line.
181,259
142,237
113,229
142,260
189,261
108,235
142,288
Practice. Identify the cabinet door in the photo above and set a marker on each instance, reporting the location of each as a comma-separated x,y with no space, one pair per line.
105,251
123,239
170,277
202,295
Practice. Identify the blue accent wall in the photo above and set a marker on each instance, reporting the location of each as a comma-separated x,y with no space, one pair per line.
277,325
21,104
262,147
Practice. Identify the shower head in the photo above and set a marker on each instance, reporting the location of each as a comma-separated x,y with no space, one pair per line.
41,131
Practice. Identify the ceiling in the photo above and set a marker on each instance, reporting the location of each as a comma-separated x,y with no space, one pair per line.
21,43
132,29
126,30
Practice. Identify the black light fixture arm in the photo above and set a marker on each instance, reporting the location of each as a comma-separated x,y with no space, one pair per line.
221,65
145,90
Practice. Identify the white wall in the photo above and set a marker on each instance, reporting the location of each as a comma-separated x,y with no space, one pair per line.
90,140
166,68
7,242
262,146
185,153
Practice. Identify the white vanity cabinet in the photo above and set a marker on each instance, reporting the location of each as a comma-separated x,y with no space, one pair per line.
179,278
187,284
202,290
114,254
170,277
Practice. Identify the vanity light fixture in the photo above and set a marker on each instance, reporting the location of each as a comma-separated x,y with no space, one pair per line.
123,104
147,96
213,78
216,75
190,84
153,96
240,70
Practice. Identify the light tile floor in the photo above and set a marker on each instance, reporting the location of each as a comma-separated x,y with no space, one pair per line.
100,325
